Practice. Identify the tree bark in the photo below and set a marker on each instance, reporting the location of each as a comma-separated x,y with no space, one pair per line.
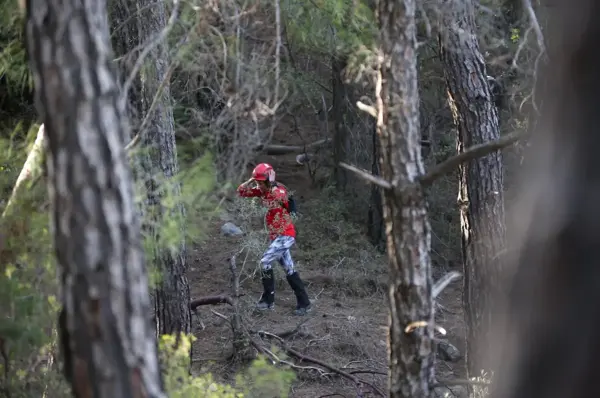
550,346
375,216
481,197
108,334
411,354
341,142
158,164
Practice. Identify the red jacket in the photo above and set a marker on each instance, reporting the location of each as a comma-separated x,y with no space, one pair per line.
279,221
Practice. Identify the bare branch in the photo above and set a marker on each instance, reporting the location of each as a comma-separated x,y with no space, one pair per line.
535,24
147,48
474,152
367,108
380,182
138,137
444,281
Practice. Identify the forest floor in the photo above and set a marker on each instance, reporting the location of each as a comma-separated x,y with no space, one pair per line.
346,281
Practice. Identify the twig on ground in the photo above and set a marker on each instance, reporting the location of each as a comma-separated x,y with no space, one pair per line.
220,315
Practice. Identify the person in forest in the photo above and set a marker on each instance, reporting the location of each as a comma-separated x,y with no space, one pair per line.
282,234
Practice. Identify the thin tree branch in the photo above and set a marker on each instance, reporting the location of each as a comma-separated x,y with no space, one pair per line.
380,182
147,48
447,166
474,152
460,382
138,137
444,281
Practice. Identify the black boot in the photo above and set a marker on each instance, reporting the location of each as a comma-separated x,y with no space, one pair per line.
267,299
303,303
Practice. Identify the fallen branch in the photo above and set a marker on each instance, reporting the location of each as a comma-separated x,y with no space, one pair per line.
210,300
32,169
332,369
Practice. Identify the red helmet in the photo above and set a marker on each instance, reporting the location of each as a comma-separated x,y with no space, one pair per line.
264,172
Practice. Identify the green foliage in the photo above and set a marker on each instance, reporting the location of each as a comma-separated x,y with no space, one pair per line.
28,283
13,56
260,380
329,26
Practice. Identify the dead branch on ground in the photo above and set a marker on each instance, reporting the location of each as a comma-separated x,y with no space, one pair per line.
253,338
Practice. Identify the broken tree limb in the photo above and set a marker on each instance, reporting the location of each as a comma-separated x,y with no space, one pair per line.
17,227
474,152
380,182
447,166
302,357
444,281
31,171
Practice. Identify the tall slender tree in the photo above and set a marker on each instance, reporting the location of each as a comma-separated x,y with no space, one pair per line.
481,196
404,206
157,163
107,338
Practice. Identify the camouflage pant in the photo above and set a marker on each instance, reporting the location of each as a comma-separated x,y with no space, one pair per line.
279,250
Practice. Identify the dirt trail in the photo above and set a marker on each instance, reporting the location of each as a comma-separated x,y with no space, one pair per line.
344,329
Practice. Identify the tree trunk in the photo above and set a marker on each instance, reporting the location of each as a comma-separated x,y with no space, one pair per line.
551,347
404,208
375,216
110,345
157,160
341,136
158,163
481,197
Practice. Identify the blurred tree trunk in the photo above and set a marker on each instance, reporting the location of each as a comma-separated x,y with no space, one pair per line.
157,161
404,206
551,347
375,217
108,342
481,197
341,136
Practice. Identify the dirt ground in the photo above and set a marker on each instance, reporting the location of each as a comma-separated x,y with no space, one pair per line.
347,331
